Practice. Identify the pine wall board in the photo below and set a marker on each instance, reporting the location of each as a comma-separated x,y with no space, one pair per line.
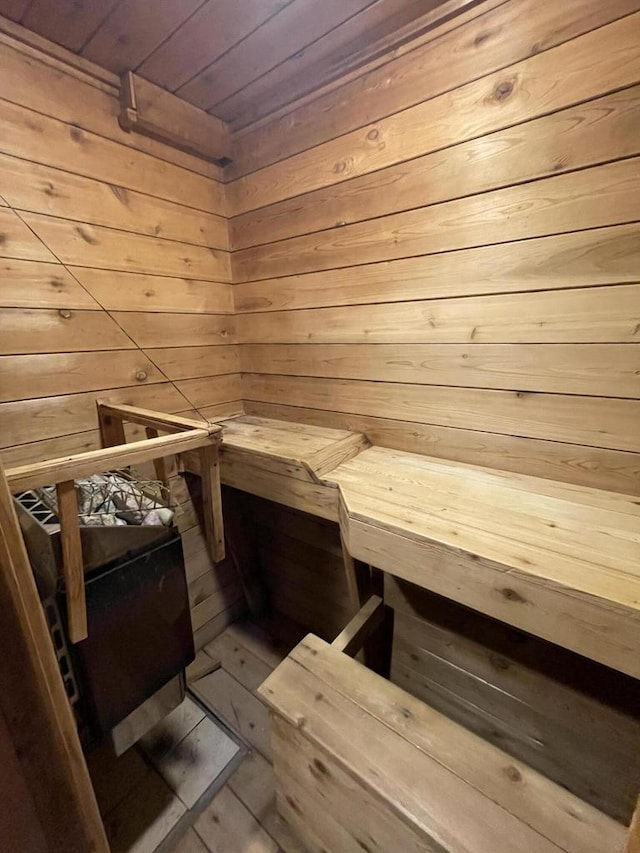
115,283
444,252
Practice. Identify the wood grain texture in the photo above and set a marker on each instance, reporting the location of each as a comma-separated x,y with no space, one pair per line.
544,83
592,421
580,259
40,77
32,330
33,284
597,131
445,61
82,244
126,291
589,369
40,189
550,206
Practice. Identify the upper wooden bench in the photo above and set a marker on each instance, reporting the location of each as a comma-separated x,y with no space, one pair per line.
554,559
557,560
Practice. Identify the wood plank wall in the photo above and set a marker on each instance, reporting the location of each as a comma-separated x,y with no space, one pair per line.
444,253
115,282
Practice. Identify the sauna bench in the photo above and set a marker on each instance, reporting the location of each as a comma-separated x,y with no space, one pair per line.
362,765
557,560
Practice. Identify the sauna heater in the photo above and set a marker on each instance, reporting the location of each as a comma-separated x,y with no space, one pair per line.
129,672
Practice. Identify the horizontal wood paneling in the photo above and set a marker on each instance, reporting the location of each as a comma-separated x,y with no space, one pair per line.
613,470
593,421
35,188
549,81
192,361
591,133
580,259
39,78
42,139
549,206
592,315
49,375
494,40
591,369
32,330
444,252
31,284
81,244
154,330
125,291
18,241
122,251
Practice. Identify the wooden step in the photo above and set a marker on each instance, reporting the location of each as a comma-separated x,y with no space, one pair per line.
362,765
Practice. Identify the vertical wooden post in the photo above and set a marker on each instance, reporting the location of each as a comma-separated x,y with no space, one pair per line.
159,465
72,562
35,706
212,501
111,430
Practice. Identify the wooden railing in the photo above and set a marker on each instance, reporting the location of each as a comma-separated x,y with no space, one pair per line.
181,435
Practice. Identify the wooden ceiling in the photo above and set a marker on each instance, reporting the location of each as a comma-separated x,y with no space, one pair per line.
237,59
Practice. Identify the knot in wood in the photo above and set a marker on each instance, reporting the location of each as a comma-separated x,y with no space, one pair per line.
64,313
373,134
141,375
503,90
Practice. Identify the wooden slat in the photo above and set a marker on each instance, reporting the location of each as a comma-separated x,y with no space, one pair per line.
489,42
81,244
368,618
49,375
82,465
595,315
591,369
71,26
130,34
32,330
152,111
157,330
32,284
375,30
33,420
125,291
72,561
211,390
166,422
579,259
205,36
296,24
196,362
552,205
41,189
597,422
595,132
35,706
554,79
46,79
18,241
34,136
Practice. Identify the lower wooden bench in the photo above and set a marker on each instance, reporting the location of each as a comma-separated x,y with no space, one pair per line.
363,766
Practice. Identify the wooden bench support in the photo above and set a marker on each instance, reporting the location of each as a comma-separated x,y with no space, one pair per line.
212,501
72,562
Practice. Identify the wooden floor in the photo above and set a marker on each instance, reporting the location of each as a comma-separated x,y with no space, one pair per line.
140,813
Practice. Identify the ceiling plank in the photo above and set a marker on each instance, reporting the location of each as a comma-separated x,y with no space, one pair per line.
217,26
130,34
14,9
67,22
337,53
300,23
